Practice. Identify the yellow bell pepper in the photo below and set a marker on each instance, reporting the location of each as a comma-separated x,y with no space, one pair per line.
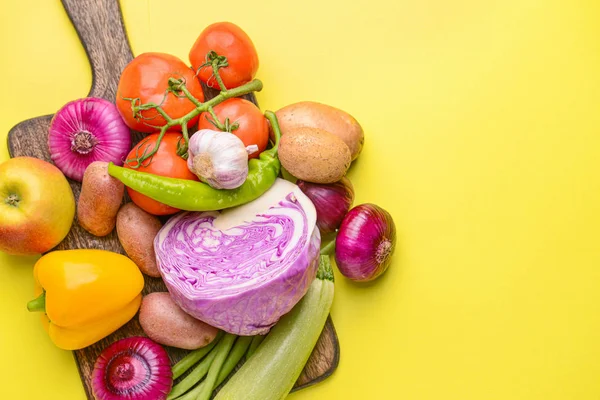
85,294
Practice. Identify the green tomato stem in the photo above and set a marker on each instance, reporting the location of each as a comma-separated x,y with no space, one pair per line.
138,161
217,75
189,95
182,149
163,114
215,120
252,86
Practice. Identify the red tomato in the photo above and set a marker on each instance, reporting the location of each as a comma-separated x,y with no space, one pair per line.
253,126
229,40
146,77
165,162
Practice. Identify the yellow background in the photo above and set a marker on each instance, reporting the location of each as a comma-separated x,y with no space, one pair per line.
482,139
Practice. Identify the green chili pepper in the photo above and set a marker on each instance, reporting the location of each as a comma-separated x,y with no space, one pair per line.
197,196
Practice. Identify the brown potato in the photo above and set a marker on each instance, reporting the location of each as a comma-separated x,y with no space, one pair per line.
165,323
316,115
100,199
136,230
314,155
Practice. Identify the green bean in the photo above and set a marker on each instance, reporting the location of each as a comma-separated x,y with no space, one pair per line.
204,390
193,357
193,378
234,357
256,341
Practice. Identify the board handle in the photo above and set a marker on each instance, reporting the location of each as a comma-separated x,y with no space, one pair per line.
99,25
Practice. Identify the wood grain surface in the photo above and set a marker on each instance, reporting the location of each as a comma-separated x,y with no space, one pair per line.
99,25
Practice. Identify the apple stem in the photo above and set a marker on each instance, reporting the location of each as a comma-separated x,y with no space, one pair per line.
13,200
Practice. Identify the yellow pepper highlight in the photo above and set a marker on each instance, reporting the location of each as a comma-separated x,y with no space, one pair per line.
86,295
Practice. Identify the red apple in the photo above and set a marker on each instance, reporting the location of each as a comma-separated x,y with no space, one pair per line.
36,206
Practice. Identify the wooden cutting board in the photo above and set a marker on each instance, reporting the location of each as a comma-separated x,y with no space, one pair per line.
99,25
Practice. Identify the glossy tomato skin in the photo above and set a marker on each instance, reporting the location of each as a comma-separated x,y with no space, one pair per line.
146,77
253,126
165,162
228,40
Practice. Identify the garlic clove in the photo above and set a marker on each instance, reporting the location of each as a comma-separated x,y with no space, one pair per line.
253,148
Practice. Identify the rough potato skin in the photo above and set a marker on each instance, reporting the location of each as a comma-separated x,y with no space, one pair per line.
136,230
165,323
314,155
331,119
100,199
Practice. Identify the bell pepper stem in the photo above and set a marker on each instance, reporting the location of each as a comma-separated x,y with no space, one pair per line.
270,115
38,304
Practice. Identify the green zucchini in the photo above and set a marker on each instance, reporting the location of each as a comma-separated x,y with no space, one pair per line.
273,369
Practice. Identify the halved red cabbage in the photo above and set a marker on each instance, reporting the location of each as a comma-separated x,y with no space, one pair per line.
242,269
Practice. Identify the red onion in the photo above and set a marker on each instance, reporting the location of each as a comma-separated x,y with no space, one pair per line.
332,202
365,243
135,368
84,131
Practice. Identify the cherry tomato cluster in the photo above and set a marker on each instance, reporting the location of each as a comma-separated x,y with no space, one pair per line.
146,80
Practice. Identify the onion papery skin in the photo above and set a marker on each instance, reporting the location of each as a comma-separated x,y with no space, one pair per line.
241,279
365,243
134,368
87,130
332,202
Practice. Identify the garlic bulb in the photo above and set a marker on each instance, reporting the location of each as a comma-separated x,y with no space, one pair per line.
219,158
